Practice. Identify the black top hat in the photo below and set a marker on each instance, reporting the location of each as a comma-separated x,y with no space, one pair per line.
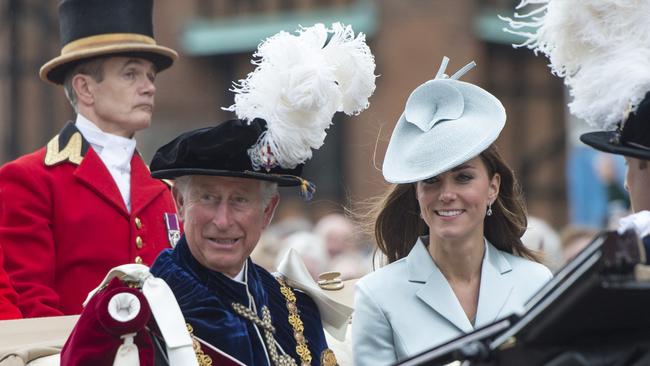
222,150
91,28
631,138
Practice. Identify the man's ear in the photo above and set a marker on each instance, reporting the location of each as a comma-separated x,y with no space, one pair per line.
179,200
269,210
83,89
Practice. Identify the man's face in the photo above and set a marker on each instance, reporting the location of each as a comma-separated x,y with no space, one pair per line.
637,179
223,218
123,101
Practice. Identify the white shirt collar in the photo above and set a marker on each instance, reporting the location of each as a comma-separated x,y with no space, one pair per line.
100,140
240,277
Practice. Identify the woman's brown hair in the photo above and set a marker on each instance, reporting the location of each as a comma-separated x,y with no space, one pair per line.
397,222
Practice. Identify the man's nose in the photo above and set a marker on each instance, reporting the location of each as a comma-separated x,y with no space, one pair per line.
223,216
148,87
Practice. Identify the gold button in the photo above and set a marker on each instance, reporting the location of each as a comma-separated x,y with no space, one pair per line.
138,242
138,260
138,223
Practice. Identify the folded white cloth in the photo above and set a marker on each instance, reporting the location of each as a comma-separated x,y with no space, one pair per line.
639,221
334,314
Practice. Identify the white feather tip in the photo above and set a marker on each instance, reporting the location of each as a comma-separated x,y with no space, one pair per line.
301,80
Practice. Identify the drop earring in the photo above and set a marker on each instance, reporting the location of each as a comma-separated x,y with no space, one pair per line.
489,209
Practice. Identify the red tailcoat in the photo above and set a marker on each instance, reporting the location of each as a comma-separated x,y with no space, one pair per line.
64,225
8,297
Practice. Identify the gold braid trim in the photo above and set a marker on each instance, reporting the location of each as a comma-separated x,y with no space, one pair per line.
267,327
296,323
201,357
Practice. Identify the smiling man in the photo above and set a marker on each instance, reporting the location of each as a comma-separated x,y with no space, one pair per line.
86,202
225,204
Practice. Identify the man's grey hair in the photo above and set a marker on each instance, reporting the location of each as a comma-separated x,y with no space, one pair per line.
93,68
268,189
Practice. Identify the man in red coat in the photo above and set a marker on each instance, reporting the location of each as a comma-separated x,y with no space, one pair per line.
86,202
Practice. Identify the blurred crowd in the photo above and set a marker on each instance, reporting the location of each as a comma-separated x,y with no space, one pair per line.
333,243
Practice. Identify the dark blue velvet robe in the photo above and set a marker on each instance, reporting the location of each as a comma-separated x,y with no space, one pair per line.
205,296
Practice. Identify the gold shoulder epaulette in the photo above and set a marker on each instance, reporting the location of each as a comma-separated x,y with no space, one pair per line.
71,151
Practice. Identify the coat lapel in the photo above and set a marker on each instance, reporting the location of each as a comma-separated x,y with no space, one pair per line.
144,189
94,174
435,290
496,286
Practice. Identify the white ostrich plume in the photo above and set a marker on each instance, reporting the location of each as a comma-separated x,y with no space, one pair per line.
599,47
300,82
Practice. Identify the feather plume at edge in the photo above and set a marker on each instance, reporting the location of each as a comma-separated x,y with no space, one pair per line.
599,47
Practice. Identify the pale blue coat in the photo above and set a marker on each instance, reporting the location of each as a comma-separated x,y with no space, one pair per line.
408,306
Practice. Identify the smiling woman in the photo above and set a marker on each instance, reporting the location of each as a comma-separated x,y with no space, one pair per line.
450,227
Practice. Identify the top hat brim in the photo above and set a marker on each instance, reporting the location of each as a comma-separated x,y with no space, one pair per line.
283,180
55,70
602,141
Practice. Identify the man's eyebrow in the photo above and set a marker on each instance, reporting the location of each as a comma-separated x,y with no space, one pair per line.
137,61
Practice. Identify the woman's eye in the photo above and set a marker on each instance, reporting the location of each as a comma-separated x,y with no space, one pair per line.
464,177
431,180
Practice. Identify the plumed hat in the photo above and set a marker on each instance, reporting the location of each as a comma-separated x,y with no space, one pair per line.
602,50
445,123
92,28
283,107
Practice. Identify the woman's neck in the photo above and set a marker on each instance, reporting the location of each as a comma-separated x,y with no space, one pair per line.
459,261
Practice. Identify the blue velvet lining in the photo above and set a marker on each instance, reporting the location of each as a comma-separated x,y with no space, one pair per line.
205,297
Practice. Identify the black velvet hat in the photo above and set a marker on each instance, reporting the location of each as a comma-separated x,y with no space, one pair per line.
221,150
91,28
631,138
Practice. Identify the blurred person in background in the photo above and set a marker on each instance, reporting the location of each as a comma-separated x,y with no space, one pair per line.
311,249
574,239
347,254
450,228
541,238
86,202
273,241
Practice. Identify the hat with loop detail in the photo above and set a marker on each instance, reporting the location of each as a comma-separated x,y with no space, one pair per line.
445,123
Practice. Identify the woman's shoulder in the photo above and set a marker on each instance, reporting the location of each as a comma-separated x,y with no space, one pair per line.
532,269
385,276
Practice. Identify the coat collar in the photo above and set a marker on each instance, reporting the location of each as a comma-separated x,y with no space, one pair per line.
496,286
69,146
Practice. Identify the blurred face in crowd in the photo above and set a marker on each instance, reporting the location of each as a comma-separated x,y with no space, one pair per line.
637,179
223,218
121,102
454,203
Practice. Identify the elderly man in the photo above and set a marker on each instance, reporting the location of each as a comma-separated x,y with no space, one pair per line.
86,202
224,204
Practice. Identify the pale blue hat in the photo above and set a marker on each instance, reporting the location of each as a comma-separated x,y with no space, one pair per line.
445,123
